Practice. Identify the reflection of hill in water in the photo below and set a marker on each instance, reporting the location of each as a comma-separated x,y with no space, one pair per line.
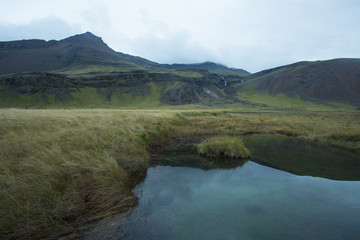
188,157
292,155
303,157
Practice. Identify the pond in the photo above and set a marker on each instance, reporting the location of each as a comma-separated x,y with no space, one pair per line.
186,197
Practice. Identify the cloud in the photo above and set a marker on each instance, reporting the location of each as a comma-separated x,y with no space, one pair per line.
172,48
249,34
48,29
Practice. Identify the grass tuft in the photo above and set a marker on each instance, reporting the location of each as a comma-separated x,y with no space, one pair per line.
223,147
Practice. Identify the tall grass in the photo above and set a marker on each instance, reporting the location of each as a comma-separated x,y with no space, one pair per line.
60,169
59,166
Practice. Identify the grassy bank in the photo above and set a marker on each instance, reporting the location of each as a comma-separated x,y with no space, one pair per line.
62,168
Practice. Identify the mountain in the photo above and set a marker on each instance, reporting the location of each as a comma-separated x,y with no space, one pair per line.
82,53
82,71
336,80
74,53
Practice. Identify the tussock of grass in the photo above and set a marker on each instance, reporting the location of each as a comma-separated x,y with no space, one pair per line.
223,147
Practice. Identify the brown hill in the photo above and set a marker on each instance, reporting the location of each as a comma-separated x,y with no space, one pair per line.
332,80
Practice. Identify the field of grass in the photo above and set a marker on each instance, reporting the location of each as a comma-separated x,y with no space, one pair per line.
60,169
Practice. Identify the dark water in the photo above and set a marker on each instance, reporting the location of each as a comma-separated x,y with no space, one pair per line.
251,201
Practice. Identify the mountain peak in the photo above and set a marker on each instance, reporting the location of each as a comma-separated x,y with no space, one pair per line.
89,41
89,35
85,36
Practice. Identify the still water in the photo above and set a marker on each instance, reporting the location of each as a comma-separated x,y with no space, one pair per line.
250,201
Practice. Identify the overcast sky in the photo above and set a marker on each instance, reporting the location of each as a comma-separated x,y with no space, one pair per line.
249,34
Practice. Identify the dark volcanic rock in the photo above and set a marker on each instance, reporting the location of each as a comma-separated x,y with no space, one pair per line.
186,91
44,84
181,95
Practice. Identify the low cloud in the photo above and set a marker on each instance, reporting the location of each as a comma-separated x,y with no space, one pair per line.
174,48
47,28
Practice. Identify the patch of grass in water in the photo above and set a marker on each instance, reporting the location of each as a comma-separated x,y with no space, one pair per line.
224,147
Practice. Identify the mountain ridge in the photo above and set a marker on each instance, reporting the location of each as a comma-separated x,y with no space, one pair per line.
58,55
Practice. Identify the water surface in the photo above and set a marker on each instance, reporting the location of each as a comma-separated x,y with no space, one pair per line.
251,201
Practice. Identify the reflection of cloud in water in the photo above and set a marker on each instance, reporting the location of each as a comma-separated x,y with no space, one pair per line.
171,186
166,184
249,202
254,210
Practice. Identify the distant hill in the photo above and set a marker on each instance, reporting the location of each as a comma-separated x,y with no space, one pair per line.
336,80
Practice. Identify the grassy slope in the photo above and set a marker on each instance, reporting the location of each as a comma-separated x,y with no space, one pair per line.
61,168
93,98
279,101
248,93
96,98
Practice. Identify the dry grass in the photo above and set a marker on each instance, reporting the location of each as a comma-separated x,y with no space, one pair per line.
58,166
61,168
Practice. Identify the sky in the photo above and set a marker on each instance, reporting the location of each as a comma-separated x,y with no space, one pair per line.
250,34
